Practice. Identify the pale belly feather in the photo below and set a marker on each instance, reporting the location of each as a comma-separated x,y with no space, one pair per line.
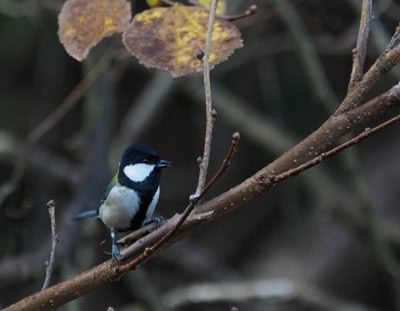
119,208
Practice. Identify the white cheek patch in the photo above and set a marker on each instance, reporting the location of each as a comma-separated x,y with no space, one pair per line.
138,172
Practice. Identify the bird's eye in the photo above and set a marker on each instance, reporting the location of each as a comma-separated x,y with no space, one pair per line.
146,161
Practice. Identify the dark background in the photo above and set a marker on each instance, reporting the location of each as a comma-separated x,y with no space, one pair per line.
300,241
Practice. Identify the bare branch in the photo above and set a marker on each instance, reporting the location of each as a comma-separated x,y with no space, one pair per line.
210,113
394,41
225,163
385,62
325,155
54,240
360,51
249,12
305,151
137,234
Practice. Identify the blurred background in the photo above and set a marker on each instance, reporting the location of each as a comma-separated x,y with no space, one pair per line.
326,240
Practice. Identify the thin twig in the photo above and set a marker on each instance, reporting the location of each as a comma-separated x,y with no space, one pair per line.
137,234
157,245
384,63
54,240
210,113
360,51
49,122
226,163
323,156
249,12
394,41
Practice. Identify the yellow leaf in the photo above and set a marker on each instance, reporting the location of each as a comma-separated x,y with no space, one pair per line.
170,38
84,23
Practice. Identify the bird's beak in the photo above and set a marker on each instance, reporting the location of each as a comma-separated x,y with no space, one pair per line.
163,163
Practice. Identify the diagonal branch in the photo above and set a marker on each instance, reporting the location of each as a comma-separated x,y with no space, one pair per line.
227,202
225,163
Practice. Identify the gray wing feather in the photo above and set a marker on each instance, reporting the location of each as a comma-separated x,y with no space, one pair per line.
112,183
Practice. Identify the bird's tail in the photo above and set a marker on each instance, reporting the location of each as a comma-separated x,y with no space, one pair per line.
87,214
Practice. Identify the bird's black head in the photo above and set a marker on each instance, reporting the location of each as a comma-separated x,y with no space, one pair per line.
141,164
139,153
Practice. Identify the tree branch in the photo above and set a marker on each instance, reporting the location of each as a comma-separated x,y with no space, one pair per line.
385,62
325,155
225,163
210,113
243,193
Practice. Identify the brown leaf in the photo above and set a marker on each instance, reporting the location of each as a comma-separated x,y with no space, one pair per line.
84,23
170,38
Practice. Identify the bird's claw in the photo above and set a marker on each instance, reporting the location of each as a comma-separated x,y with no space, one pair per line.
115,253
155,220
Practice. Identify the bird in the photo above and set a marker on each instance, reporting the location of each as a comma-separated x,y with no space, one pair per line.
132,196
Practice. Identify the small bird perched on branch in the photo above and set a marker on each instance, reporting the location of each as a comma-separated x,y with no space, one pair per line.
132,195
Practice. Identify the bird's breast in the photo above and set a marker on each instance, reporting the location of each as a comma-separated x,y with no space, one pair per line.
120,206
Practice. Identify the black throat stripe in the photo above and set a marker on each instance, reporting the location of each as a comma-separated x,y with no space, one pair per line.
138,219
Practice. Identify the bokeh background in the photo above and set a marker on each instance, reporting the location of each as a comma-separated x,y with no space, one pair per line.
326,240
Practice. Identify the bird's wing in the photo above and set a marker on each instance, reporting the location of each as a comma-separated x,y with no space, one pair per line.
112,183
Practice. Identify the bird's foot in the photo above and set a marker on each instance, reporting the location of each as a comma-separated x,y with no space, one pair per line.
115,252
155,220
